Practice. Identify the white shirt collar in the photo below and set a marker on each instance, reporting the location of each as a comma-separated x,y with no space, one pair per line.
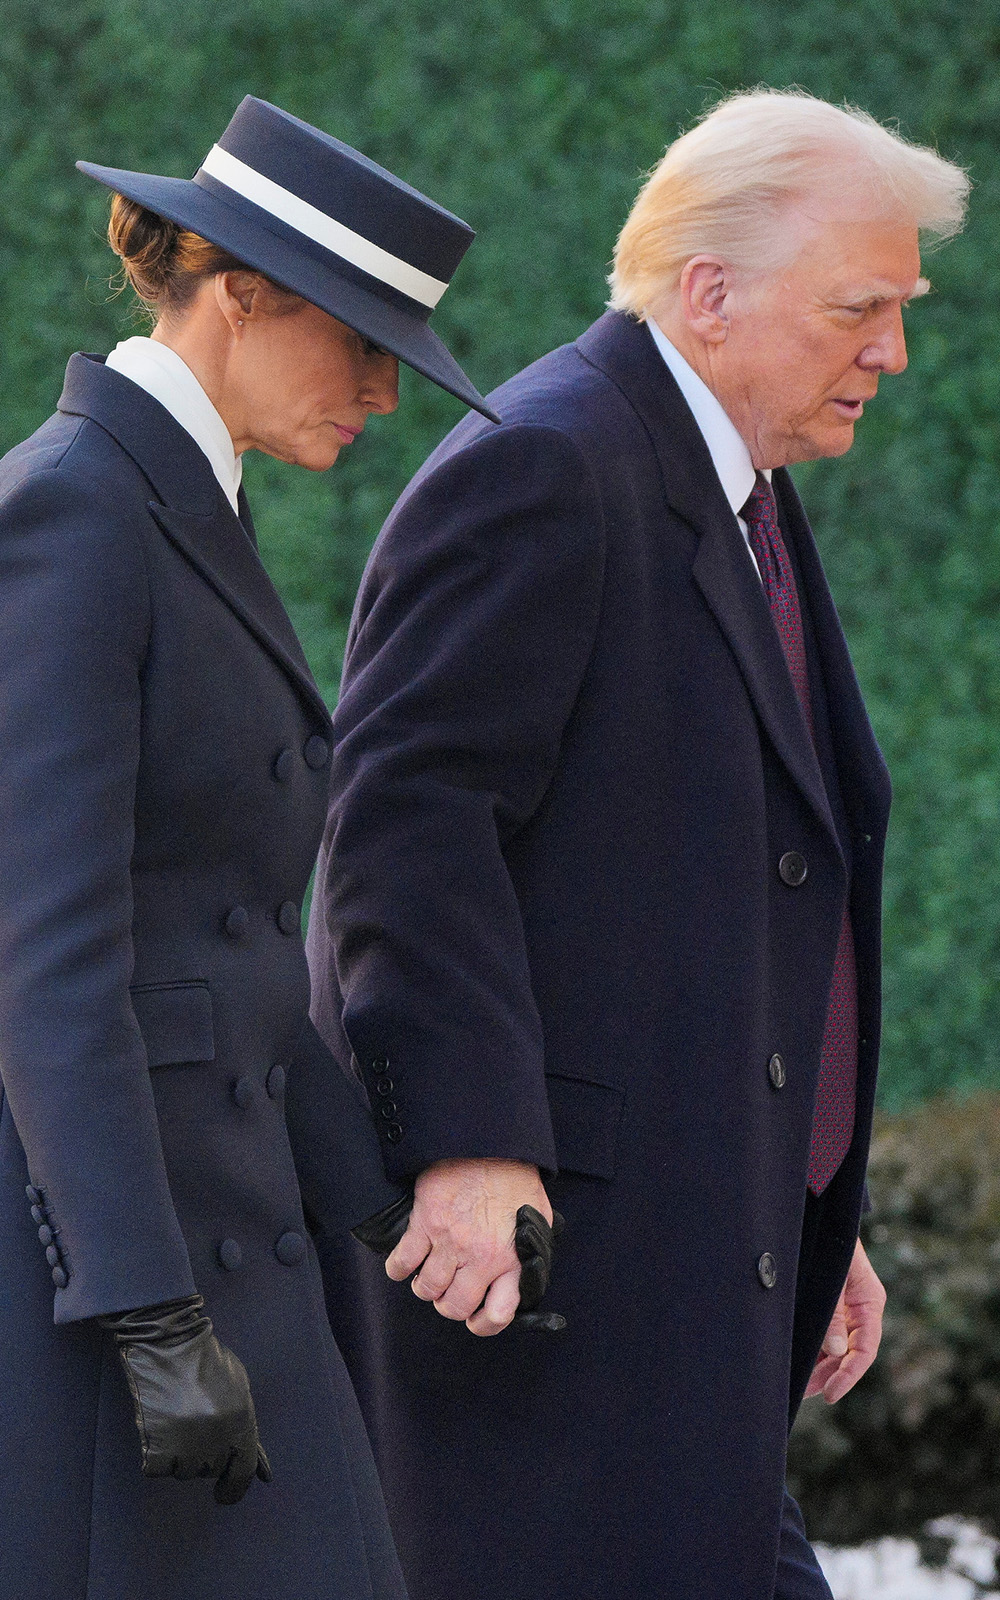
161,372
726,445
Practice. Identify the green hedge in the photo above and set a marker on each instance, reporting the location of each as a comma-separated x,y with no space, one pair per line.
535,121
919,1437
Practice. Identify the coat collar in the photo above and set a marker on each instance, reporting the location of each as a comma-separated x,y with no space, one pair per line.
191,509
624,350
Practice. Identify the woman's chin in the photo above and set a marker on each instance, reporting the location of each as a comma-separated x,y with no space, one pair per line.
319,460
316,456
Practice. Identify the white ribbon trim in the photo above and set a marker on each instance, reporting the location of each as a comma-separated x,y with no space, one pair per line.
323,230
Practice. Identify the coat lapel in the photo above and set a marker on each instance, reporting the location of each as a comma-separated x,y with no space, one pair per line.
861,768
191,509
220,549
624,350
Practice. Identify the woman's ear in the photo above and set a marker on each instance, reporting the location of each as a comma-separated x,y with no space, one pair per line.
243,295
236,294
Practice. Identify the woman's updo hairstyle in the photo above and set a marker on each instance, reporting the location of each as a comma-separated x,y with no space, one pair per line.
162,261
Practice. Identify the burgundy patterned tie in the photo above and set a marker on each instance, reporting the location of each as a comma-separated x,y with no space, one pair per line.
833,1123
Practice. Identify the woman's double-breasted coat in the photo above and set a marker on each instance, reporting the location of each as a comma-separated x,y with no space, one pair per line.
166,760
556,921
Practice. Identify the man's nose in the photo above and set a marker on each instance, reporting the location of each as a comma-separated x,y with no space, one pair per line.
887,353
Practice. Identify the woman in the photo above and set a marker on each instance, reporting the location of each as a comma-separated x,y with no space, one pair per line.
165,754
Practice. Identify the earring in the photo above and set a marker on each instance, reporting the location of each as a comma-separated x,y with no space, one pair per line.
239,322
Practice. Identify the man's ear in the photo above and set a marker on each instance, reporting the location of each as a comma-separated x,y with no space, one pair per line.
704,290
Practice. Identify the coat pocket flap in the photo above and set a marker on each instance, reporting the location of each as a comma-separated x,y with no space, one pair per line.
175,1020
585,1121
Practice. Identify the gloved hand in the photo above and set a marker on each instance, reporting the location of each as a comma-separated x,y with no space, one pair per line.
532,1242
191,1396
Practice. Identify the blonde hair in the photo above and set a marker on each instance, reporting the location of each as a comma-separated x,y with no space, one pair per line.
721,188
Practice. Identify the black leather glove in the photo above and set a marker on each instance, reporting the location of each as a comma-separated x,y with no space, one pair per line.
532,1241
191,1396
382,1232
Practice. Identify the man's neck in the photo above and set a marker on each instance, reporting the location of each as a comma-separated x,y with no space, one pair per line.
694,350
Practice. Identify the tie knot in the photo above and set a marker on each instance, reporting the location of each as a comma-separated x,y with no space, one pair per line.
760,503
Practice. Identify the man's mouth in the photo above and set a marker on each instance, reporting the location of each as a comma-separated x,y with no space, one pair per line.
851,409
346,433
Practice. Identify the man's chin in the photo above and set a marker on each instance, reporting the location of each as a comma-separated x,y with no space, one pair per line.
832,442
841,440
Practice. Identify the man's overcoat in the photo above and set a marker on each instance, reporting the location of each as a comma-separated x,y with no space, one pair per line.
165,756
554,921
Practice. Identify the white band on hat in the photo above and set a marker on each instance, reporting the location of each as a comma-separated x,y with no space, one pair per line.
323,230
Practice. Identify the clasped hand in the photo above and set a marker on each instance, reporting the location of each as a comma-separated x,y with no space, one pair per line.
460,1243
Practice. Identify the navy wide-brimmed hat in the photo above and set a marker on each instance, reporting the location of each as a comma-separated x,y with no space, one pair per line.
321,219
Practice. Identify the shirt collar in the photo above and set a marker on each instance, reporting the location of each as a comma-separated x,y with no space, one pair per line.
161,372
726,445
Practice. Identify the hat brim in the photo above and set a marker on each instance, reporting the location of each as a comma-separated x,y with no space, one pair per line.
387,325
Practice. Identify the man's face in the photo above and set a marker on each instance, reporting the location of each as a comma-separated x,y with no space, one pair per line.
805,346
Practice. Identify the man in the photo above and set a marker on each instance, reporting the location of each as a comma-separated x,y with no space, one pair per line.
598,911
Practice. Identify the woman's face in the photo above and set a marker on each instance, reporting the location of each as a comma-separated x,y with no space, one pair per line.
301,384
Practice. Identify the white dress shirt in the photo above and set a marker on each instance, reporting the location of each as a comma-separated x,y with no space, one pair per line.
726,445
161,372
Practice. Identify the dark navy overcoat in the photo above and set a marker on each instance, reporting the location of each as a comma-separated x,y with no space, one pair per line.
550,925
165,772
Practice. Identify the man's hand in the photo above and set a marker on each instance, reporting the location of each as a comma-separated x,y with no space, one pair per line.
461,1238
853,1337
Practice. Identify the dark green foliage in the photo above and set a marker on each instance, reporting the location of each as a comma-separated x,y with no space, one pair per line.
920,1436
535,121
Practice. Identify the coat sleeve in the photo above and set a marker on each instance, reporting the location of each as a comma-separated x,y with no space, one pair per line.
338,1160
470,641
74,621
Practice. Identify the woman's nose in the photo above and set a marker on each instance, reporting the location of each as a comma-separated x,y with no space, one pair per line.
381,389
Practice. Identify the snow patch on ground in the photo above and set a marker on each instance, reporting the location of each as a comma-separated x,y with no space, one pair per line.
891,1568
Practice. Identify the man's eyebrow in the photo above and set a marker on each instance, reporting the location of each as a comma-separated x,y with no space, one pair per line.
880,291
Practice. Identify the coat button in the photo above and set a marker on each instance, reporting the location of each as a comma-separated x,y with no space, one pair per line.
389,1110
290,1249
380,1065
283,765
34,1195
316,752
52,1255
767,1270
230,1255
289,917
384,1085
792,869
238,922
242,1092
45,1234
394,1133
276,1082
37,1214
776,1072
60,1277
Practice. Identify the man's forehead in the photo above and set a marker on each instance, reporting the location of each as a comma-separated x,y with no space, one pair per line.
858,258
